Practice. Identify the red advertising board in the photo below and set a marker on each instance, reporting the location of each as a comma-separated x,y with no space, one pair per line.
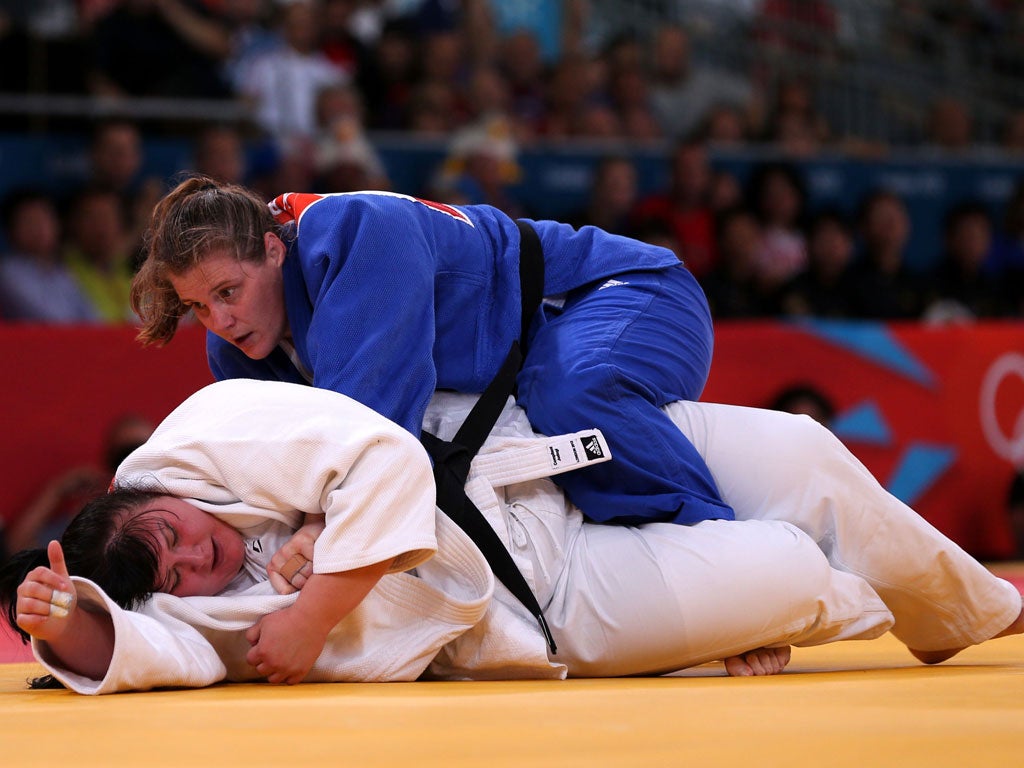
936,413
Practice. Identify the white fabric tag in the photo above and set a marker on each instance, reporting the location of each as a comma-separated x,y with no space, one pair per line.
517,460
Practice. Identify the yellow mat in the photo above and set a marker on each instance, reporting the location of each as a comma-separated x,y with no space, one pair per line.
849,704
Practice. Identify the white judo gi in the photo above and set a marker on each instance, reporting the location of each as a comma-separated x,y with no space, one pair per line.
821,551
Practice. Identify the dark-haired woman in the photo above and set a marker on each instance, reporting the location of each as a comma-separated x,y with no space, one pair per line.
821,553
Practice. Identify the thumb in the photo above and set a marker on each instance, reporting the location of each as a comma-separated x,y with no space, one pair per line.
56,555
253,634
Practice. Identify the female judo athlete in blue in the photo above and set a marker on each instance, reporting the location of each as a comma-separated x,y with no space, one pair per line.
386,298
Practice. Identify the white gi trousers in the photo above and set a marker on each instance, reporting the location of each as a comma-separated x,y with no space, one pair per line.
820,552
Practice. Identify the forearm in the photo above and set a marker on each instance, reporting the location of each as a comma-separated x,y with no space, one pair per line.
204,34
327,598
86,647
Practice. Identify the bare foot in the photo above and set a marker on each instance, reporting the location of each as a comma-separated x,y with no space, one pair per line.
760,661
934,657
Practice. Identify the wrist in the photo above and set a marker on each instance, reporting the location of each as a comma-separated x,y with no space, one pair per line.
310,615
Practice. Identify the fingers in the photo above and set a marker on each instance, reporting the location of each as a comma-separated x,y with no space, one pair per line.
46,598
252,634
56,555
280,583
287,576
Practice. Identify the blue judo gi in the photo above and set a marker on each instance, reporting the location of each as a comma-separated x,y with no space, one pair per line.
390,297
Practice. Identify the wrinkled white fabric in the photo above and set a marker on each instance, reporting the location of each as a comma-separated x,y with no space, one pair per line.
820,551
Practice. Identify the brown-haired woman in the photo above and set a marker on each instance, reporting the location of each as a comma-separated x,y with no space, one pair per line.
386,298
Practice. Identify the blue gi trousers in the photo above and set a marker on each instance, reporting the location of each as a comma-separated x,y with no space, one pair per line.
615,353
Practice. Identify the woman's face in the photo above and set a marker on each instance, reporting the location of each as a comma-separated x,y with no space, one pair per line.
198,554
240,301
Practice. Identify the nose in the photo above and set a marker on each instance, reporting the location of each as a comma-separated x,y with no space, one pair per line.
191,559
220,319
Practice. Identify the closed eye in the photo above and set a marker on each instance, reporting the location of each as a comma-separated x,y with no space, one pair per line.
173,578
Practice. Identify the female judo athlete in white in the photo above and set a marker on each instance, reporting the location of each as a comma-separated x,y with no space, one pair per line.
820,553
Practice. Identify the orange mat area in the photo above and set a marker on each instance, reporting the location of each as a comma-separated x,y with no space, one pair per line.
847,704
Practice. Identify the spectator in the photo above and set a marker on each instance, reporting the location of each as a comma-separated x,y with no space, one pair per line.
250,36
97,253
805,399
220,154
725,191
556,26
442,59
777,195
656,233
568,96
724,126
35,286
171,48
1012,138
623,52
804,27
613,193
481,167
116,157
961,288
824,289
883,288
432,110
1008,251
631,98
949,125
684,208
520,61
62,497
487,96
345,160
794,124
282,83
40,47
734,288
387,78
683,96
338,42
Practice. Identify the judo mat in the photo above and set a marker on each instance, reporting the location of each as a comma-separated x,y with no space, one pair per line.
858,704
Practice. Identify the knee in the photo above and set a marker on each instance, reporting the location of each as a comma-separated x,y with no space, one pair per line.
808,440
796,566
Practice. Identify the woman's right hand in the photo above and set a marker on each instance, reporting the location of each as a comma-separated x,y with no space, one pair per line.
47,599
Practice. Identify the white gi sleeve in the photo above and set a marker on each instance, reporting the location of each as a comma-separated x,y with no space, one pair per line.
148,653
246,450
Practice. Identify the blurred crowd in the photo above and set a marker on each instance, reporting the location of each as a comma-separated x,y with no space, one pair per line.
486,78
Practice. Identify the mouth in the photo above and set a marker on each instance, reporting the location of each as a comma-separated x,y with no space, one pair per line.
216,555
240,341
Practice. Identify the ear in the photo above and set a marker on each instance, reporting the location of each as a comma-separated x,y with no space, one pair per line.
275,248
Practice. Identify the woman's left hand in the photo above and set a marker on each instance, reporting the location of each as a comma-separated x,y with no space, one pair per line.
292,565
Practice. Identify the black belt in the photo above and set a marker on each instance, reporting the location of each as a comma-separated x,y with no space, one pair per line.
452,458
